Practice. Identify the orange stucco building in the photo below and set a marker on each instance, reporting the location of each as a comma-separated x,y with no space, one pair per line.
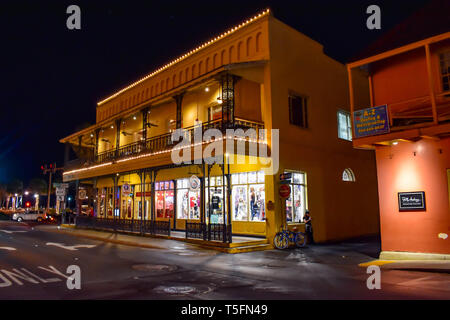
413,155
259,75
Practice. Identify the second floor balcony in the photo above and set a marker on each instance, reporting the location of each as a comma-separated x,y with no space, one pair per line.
252,130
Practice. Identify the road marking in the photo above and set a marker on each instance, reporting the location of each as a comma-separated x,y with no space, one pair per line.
71,248
9,231
376,263
15,276
7,248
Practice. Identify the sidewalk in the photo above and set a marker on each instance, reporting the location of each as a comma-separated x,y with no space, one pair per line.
442,266
241,245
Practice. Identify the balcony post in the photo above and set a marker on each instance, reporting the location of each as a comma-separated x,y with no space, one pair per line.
80,138
351,96
431,84
97,137
202,200
116,182
152,194
142,200
179,101
118,122
228,82
144,123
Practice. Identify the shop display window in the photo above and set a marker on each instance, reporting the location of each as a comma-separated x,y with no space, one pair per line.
164,199
248,196
296,204
188,202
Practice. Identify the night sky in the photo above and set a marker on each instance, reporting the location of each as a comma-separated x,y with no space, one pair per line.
52,77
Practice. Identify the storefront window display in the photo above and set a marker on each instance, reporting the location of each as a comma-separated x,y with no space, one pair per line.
248,196
110,202
188,202
296,203
101,202
216,197
127,202
164,199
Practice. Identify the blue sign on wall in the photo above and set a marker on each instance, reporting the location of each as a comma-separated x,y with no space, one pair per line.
371,121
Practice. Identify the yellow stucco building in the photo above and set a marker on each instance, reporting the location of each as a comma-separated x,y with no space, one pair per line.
260,75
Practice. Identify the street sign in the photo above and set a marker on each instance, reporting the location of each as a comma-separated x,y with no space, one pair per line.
60,185
60,192
285,176
60,198
284,190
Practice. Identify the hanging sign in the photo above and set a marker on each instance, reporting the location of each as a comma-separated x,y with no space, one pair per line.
371,121
411,201
82,194
194,183
126,189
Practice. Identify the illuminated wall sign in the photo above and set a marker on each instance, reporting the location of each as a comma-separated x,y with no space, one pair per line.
411,201
371,121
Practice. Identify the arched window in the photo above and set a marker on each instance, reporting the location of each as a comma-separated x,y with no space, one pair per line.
348,175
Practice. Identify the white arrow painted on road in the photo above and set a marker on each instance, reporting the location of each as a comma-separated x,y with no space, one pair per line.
7,248
8,231
71,248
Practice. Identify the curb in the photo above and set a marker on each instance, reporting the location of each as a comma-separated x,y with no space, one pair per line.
438,266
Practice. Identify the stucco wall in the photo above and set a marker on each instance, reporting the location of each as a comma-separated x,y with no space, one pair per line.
399,170
339,209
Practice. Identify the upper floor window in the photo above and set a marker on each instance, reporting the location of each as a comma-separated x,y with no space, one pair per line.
298,114
344,125
445,70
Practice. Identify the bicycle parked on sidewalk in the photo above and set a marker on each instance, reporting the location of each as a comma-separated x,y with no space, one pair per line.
283,238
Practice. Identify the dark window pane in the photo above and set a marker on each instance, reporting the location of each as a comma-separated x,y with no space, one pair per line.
297,111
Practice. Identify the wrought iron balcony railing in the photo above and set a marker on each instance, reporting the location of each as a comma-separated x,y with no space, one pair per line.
164,142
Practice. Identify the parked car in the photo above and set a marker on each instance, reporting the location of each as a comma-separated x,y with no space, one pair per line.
31,215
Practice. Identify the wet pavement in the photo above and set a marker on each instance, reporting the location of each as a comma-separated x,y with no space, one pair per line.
34,262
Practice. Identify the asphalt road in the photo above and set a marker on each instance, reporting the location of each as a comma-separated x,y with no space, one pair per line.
34,260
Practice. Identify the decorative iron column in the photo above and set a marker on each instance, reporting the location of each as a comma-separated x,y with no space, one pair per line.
179,101
144,123
209,202
80,138
97,137
229,213
118,122
115,179
142,200
152,195
227,84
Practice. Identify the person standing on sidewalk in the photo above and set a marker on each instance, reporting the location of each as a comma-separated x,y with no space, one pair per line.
308,227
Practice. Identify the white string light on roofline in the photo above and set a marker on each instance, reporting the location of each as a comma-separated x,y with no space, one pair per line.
264,13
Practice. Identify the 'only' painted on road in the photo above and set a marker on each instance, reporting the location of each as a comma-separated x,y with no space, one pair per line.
19,277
